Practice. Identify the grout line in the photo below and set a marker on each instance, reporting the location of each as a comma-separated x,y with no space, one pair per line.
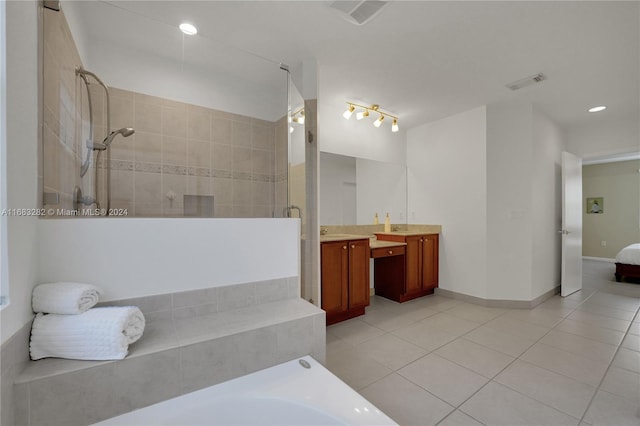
492,380
593,397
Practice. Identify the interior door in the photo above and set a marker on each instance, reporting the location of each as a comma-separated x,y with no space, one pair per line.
571,280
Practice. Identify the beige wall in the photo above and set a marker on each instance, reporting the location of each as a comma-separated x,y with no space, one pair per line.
619,185
183,149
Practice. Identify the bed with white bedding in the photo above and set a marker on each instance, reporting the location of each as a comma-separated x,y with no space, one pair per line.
628,262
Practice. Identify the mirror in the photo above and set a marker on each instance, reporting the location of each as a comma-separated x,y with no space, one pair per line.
194,127
353,190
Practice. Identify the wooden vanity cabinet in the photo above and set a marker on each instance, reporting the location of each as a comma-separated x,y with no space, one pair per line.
345,278
421,273
389,271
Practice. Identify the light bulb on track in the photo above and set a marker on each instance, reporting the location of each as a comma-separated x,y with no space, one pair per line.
347,114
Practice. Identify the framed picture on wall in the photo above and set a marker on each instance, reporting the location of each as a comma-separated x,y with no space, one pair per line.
595,205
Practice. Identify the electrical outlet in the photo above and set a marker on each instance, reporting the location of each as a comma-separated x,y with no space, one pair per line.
603,243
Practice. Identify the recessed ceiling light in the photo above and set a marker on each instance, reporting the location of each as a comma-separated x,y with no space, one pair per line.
188,29
597,109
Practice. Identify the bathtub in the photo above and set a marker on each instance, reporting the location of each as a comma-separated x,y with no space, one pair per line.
298,392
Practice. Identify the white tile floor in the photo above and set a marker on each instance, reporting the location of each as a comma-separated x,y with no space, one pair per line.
435,360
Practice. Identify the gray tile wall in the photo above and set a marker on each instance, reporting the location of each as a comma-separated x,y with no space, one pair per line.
14,356
193,303
82,392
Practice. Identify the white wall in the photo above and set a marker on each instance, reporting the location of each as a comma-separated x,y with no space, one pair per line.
447,169
22,160
491,178
509,216
141,257
382,189
129,69
548,144
305,77
602,137
196,71
357,138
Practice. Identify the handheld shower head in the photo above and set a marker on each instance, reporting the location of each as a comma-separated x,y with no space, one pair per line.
125,132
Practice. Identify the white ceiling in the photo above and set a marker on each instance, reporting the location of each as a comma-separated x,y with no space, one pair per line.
424,60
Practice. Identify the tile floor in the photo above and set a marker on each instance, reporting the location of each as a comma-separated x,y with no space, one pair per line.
439,361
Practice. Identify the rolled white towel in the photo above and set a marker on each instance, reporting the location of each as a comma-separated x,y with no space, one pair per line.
64,298
98,334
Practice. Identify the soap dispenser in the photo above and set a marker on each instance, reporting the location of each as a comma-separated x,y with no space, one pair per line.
387,224
376,220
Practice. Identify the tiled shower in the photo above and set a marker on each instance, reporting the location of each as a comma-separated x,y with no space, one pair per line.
183,159
180,149
235,163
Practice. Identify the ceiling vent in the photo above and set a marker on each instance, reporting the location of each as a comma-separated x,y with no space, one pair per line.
359,12
528,81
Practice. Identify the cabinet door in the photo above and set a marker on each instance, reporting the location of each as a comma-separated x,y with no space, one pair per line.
358,273
430,262
414,264
335,276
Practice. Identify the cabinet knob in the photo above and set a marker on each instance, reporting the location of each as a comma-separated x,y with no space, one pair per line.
353,246
421,240
390,251
344,247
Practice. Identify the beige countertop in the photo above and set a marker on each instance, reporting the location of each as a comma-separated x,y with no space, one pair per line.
416,230
361,232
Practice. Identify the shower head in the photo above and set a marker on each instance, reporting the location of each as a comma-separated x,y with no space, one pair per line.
125,132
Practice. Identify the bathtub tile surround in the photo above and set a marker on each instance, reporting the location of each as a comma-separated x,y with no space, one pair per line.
193,303
13,359
86,396
297,392
193,339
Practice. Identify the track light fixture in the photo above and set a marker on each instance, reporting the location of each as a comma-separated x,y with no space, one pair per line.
348,112
364,112
298,116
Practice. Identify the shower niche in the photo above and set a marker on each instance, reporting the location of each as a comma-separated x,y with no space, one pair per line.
163,125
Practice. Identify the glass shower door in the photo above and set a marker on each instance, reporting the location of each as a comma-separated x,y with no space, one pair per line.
296,189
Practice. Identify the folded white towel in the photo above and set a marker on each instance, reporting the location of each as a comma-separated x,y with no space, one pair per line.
97,334
64,298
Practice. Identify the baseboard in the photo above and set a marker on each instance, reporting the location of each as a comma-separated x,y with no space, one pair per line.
599,259
499,303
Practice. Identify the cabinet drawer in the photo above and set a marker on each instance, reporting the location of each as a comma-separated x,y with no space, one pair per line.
387,251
